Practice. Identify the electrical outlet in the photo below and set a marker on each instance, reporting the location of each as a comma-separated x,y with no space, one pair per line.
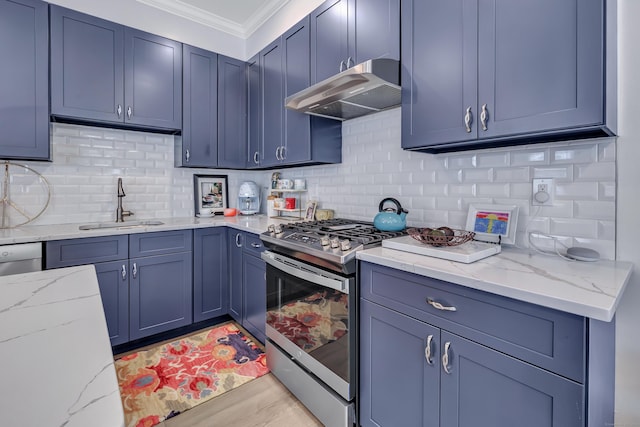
542,192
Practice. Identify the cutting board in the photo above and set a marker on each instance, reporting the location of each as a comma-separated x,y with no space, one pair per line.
466,253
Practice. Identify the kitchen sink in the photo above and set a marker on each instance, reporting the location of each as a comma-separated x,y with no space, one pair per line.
128,224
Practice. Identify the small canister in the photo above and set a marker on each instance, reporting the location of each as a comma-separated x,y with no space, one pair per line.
290,203
271,212
299,184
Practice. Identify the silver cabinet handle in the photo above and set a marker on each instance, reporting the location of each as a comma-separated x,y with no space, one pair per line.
283,152
119,110
484,116
238,242
437,305
256,158
255,245
427,350
134,271
342,66
187,155
468,119
278,153
123,272
445,358
350,60
129,112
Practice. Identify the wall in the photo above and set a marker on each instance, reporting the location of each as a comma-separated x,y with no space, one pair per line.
628,232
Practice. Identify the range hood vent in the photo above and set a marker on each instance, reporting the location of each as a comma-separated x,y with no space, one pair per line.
365,88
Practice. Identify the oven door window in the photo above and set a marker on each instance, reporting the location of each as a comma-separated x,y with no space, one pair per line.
313,317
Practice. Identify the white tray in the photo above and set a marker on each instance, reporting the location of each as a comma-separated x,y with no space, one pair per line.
466,253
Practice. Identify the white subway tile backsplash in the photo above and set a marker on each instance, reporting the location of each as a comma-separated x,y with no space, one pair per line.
436,188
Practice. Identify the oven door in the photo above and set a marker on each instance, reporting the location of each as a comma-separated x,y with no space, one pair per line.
309,315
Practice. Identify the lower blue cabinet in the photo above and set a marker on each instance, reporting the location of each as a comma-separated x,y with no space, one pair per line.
113,281
159,294
210,273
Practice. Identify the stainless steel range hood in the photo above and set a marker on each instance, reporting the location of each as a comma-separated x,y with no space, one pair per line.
365,88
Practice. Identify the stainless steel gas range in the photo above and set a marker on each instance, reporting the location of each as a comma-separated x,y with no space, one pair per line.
312,311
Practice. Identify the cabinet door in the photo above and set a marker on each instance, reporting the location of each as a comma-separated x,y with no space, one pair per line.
438,73
200,108
153,80
533,80
486,388
297,76
375,32
87,67
329,39
254,113
232,112
398,385
210,273
236,240
255,296
24,80
113,280
159,293
272,103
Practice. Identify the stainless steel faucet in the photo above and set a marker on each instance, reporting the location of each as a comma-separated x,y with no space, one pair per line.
121,213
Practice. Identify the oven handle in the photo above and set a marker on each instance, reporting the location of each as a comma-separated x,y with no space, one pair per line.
307,272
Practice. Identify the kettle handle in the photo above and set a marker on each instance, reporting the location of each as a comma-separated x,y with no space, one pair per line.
399,208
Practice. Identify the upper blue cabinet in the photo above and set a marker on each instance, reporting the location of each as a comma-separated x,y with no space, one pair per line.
102,72
24,80
481,73
347,32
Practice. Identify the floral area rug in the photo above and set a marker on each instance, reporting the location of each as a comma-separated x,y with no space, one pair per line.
166,380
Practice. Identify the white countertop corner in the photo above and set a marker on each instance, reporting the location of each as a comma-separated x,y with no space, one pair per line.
57,367
590,289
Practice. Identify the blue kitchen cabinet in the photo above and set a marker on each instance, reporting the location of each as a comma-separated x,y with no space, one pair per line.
248,285
271,82
24,80
481,73
290,137
347,32
232,113
102,72
492,361
254,113
200,108
210,273
254,284
113,281
236,240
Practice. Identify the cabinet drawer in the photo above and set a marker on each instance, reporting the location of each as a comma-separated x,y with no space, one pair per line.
161,242
90,250
252,244
547,338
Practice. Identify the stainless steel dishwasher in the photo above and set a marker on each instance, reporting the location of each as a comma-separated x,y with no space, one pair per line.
20,258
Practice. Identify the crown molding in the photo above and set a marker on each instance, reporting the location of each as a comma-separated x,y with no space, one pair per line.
201,16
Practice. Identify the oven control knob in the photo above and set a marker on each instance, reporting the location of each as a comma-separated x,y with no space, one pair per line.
271,228
277,229
325,241
345,245
335,242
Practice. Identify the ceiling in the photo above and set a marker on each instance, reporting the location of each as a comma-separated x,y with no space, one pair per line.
239,18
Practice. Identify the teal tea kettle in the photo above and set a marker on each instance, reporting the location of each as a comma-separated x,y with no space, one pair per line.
390,219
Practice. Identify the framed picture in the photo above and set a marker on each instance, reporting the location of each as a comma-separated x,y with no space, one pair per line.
310,212
493,223
210,194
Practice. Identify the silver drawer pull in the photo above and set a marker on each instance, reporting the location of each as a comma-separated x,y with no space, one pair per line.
427,350
445,358
256,245
123,272
437,305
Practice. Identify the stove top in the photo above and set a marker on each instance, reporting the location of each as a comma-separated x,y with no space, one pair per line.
331,243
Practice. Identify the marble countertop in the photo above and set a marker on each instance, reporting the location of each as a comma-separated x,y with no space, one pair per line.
57,367
40,233
590,289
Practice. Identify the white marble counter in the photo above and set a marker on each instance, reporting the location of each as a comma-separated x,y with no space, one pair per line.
590,289
39,233
56,361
